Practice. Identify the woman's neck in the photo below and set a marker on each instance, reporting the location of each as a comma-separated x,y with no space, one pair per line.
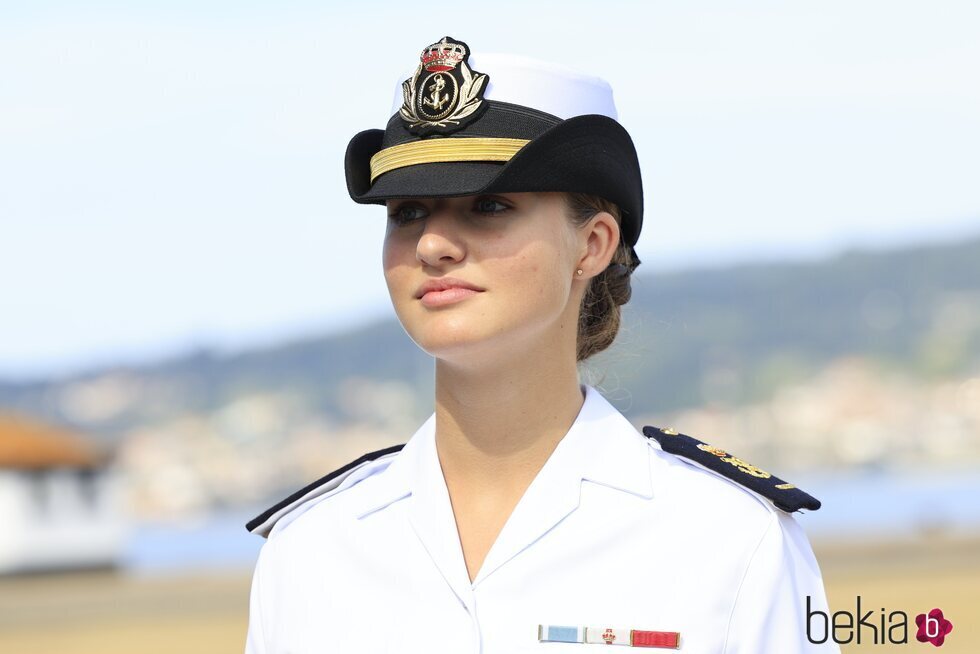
495,429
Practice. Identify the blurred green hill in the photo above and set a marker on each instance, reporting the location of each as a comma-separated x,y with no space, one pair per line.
766,325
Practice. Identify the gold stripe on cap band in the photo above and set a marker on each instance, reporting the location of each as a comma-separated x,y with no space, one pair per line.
442,150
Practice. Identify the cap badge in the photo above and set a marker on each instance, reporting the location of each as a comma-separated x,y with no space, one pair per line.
444,93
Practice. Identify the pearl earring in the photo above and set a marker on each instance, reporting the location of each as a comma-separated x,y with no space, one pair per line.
578,272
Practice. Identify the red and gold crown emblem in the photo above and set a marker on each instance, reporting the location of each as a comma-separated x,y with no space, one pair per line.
443,56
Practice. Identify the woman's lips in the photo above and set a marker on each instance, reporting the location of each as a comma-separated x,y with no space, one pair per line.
448,296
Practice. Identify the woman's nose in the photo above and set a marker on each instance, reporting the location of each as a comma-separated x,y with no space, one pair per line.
440,241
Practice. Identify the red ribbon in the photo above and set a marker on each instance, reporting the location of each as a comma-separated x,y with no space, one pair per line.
655,638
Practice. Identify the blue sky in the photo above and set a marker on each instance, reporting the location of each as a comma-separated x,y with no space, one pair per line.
173,177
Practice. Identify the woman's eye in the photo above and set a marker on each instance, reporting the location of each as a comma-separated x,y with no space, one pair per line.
488,205
406,213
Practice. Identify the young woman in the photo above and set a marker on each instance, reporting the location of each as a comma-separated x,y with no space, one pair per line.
526,514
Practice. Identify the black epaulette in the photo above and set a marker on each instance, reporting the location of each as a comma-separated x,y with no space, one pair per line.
784,496
262,523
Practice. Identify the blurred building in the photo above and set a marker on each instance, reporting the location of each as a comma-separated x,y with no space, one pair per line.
59,500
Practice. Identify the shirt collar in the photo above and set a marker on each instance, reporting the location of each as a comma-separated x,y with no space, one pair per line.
601,446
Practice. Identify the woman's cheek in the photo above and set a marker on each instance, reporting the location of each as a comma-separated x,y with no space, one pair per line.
388,255
393,261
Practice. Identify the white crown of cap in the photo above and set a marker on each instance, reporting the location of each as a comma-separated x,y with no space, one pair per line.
537,84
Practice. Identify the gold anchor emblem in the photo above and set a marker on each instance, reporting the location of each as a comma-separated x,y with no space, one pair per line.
436,100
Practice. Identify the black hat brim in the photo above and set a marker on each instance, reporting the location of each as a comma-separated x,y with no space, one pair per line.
591,154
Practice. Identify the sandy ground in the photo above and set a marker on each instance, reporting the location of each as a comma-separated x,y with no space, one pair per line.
105,613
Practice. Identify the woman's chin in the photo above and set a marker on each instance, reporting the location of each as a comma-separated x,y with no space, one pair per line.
466,337
456,339
448,344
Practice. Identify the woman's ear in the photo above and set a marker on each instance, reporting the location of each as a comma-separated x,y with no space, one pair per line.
600,239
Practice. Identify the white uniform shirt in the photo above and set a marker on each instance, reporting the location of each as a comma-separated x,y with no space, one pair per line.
612,532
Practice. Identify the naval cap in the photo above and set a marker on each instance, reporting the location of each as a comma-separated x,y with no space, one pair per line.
498,123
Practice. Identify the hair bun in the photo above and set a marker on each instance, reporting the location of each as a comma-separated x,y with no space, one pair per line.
618,283
617,270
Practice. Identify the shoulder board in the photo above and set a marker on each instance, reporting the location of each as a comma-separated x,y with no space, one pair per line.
262,524
784,496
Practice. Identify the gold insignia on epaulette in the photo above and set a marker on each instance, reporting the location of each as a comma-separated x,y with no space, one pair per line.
668,431
711,449
744,466
784,486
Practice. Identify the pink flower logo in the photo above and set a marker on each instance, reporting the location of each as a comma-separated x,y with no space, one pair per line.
932,627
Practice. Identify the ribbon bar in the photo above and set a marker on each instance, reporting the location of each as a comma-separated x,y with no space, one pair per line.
609,636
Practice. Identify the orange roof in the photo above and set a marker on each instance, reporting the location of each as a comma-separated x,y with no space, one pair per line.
29,443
